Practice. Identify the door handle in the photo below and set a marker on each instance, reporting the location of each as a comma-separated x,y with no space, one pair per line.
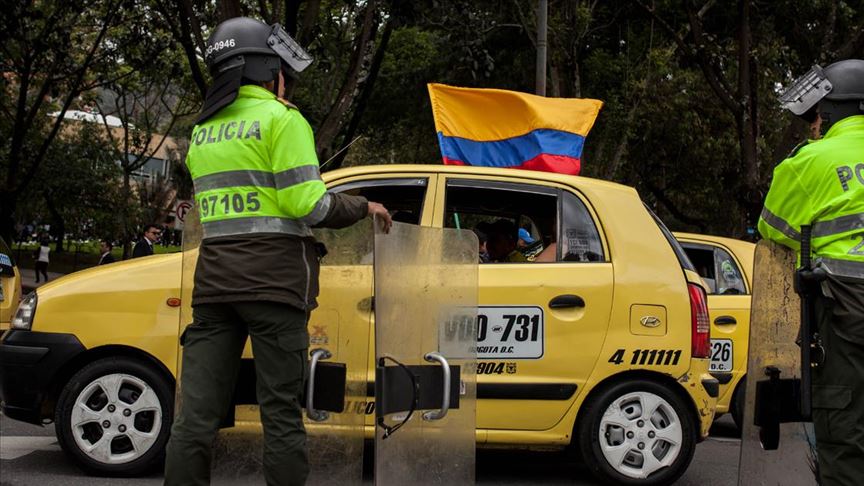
725,321
434,357
566,300
315,415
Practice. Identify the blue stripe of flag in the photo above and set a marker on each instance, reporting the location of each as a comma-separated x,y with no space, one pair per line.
512,151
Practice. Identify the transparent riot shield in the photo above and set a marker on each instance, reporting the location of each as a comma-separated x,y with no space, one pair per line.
338,361
339,356
425,354
774,448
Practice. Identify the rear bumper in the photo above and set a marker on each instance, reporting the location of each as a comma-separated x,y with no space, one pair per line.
703,389
29,362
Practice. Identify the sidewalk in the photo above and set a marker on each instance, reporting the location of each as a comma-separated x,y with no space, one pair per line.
28,279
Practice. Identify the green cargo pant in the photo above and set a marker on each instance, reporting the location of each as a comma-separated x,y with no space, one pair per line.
838,385
212,347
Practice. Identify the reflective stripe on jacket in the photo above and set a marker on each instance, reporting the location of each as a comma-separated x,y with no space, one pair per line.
255,169
822,185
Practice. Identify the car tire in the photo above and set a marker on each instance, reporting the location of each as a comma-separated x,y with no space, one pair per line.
627,424
737,406
114,416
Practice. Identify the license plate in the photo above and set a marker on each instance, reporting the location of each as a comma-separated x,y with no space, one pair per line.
510,332
721,355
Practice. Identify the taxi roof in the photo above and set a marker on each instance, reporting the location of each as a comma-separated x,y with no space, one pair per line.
575,181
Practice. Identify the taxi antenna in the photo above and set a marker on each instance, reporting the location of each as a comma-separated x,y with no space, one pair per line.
339,152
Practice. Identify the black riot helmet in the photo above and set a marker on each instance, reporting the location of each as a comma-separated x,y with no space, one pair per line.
247,49
847,96
835,92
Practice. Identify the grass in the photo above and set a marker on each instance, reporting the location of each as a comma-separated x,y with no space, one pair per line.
76,255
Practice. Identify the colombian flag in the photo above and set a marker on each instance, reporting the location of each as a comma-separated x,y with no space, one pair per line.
500,128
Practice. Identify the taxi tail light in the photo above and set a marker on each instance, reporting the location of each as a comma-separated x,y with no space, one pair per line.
700,324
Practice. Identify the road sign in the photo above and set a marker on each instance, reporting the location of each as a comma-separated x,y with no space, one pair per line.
180,210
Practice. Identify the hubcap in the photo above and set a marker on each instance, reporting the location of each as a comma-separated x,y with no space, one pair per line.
108,435
640,433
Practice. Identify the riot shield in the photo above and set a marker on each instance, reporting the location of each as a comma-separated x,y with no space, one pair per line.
774,448
339,332
425,354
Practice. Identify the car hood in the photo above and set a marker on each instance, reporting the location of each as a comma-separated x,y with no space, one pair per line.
108,276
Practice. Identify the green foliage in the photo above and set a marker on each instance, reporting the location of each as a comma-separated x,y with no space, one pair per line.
690,117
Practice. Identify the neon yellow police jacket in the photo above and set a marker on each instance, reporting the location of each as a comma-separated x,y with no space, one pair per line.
822,185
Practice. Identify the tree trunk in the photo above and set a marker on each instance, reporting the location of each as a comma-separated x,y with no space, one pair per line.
747,118
58,226
128,235
332,124
365,94
228,9
7,218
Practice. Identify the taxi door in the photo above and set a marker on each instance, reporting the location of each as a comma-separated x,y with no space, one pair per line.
540,325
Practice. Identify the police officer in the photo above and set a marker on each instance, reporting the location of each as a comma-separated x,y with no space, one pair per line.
822,184
258,188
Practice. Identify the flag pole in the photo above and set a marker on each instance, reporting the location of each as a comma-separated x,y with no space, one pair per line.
542,27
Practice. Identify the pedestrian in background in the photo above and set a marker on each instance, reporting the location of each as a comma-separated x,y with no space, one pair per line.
144,246
105,248
41,256
821,185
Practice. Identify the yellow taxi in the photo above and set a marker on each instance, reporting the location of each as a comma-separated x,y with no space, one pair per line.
10,285
726,267
618,368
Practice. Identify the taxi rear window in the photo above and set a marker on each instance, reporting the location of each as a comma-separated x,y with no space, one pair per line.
685,262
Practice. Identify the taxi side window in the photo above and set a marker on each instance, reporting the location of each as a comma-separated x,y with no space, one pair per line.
579,240
536,219
729,279
402,197
514,221
717,269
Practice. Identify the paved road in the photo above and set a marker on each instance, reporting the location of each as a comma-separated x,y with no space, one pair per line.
29,455
28,279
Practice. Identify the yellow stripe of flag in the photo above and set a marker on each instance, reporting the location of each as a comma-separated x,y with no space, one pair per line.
497,114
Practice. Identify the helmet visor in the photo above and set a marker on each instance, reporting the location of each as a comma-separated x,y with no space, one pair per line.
288,49
806,91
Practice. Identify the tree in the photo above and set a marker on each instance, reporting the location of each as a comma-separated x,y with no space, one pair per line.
341,35
53,52
742,53
148,101
76,190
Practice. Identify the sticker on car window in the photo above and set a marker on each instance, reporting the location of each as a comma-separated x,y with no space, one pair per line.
510,332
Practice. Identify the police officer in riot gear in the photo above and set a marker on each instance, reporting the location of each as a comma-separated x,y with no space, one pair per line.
258,189
822,185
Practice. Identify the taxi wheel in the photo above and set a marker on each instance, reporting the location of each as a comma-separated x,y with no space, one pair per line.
637,433
113,417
